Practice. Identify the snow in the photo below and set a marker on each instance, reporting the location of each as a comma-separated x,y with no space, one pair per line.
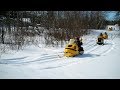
97,62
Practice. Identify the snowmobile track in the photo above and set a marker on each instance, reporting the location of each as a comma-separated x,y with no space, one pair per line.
27,60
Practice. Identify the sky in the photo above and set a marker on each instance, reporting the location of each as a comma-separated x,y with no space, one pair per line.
111,15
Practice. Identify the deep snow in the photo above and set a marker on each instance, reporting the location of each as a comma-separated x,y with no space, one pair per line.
97,62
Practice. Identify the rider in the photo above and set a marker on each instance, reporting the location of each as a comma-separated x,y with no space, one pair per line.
101,35
100,38
105,33
79,43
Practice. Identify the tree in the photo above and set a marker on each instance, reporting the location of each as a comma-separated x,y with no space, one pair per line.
117,17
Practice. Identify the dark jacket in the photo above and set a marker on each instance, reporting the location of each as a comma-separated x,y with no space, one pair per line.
79,43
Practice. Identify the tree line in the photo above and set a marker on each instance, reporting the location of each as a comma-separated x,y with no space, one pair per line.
57,26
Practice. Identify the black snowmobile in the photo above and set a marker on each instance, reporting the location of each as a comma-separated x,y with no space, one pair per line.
100,41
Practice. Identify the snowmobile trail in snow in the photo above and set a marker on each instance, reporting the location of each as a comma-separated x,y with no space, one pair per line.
26,60
91,51
56,57
12,59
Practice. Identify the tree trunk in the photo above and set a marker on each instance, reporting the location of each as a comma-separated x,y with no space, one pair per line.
2,38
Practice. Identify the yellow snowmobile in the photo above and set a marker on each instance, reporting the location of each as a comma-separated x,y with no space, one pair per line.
105,36
72,49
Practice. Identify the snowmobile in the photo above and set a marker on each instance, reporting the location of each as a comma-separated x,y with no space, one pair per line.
110,29
100,41
105,36
72,49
